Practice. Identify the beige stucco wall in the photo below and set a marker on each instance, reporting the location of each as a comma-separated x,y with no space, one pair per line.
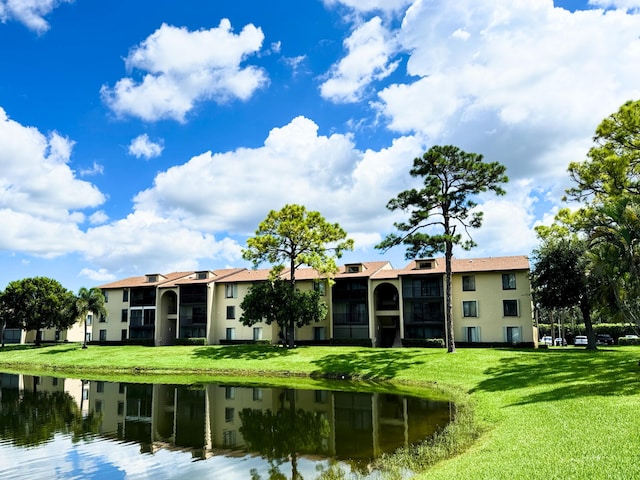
113,323
489,296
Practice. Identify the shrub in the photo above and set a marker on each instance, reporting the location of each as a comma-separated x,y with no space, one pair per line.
190,341
423,342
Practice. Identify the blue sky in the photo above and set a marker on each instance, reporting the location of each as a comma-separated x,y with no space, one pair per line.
154,136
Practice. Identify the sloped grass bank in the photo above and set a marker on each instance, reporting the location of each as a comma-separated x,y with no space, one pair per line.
560,413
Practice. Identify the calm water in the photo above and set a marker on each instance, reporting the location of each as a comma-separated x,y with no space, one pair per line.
55,428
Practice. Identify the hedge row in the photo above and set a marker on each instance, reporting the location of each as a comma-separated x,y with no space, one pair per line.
616,330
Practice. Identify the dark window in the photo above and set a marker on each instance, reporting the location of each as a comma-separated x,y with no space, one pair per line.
231,312
125,295
103,335
143,296
468,283
510,308
508,281
470,309
124,315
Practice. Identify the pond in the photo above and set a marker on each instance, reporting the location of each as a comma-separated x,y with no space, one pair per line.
56,428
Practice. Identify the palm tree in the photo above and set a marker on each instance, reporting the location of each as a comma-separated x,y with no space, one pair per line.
89,300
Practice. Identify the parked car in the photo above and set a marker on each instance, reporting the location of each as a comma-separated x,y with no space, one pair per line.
560,342
580,340
547,340
604,339
631,337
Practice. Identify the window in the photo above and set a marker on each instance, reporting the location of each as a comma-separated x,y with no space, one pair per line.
510,308
103,318
425,265
468,283
201,275
103,335
257,333
231,312
123,334
120,408
106,296
124,316
320,396
229,393
231,333
508,281
230,290
125,295
99,387
257,394
229,438
318,333
470,308
353,268
89,319
320,287
98,408
229,414
512,334
472,334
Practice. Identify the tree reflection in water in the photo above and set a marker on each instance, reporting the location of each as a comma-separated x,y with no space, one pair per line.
283,435
29,417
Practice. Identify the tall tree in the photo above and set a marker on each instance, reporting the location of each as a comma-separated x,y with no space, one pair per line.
37,303
608,183
613,232
275,301
293,237
612,166
451,177
89,300
561,276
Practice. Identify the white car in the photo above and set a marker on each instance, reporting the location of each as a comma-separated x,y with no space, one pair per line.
580,340
547,340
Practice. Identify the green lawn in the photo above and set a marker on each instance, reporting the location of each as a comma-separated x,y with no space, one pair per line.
562,413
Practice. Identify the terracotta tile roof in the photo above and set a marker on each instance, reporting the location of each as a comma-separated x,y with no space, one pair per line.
142,280
214,276
374,270
469,265
245,275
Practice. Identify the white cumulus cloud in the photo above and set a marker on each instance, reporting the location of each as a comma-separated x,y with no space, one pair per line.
180,68
143,147
31,13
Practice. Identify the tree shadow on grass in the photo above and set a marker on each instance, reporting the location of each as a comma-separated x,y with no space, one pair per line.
565,374
365,364
61,350
242,352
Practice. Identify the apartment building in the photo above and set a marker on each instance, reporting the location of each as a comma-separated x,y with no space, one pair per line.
369,303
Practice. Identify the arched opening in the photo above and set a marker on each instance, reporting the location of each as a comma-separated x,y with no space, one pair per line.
168,318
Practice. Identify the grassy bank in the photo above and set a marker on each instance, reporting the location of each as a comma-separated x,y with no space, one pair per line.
549,414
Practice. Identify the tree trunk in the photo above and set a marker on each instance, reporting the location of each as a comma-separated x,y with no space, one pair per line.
38,337
291,334
585,308
451,344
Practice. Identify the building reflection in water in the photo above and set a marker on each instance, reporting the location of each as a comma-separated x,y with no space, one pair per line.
217,419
